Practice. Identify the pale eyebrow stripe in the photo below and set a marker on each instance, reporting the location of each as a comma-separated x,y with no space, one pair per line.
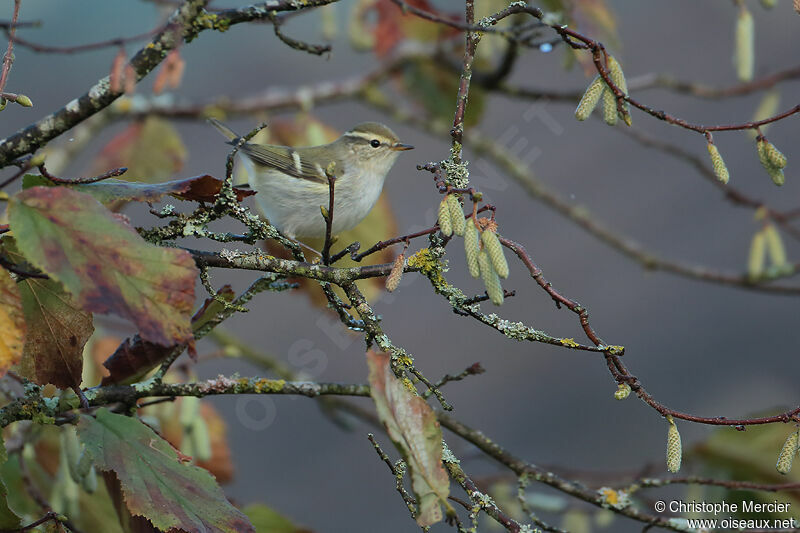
364,136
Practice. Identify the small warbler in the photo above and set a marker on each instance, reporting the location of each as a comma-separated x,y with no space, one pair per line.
292,185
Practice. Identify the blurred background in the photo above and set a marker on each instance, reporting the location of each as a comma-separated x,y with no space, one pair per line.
702,348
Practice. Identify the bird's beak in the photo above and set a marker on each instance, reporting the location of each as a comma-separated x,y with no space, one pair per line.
401,147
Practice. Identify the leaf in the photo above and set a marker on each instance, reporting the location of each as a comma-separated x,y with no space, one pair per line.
136,357
202,188
12,324
412,426
267,520
394,26
173,495
8,518
104,262
57,331
435,88
151,149
56,328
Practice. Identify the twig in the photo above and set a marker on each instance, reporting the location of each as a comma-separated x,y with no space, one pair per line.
316,49
328,215
47,49
8,58
82,181
411,503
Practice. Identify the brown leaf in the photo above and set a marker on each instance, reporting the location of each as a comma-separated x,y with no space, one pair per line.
412,426
12,323
57,331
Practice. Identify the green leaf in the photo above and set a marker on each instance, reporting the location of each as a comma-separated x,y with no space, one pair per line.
104,263
8,518
173,495
267,520
435,88
412,426
151,149
12,324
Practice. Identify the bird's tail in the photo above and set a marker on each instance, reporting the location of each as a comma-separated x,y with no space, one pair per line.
223,129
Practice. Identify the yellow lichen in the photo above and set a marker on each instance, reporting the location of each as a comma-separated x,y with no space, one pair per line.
429,265
610,496
269,385
410,386
569,343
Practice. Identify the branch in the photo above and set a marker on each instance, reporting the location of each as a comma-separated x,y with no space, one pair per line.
184,24
29,407
520,467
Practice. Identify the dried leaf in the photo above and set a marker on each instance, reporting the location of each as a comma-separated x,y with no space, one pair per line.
57,331
12,323
104,262
412,426
173,495
151,149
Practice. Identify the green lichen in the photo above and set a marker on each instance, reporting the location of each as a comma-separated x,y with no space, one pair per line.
210,21
457,172
262,386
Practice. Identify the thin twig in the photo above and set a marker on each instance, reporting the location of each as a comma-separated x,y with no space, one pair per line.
8,58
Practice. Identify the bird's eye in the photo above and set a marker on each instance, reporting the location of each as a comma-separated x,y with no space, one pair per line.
374,143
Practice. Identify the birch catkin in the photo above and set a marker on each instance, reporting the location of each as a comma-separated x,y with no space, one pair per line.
445,221
590,98
456,214
609,107
490,280
618,77
755,260
472,248
674,448
717,163
495,251
788,451
744,54
766,156
396,274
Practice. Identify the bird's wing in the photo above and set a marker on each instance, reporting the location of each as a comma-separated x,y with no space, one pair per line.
288,161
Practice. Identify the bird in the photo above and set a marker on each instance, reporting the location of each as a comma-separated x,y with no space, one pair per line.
292,184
